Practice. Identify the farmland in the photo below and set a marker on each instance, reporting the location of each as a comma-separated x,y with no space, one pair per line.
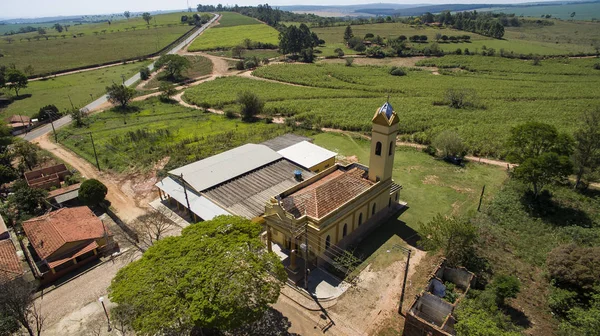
77,86
199,66
113,42
424,180
583,11
561,38
232,30
506,93
135,141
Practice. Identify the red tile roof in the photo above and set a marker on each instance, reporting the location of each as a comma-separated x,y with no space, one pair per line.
19,119
50,232
10,265
327,194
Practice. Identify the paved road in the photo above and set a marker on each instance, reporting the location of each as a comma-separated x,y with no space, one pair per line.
38,132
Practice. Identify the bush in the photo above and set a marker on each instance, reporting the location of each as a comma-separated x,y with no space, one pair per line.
92,192
430,150
360,47
597,66
339,52
536,61
458,51
561,300
349,61
252,105
450,144
239,65
456,236
250,64
144,73
575,268
396,71
230,114
505,287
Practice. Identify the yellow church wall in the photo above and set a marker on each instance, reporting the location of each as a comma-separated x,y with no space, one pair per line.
323,165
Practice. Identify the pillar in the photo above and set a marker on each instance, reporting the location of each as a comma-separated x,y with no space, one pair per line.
293,265
160,195
74,261
269,239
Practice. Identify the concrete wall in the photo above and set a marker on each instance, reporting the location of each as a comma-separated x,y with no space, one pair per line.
431,309
323,165
459,276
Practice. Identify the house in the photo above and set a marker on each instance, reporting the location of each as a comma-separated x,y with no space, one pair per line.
341,204
47,178
241,180
10,263
431,313
64,240
17,122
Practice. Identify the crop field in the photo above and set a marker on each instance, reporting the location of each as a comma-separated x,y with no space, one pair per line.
425,180
78,86
233,29
571,37
260,53
230,19
158,130
505,93
199,66
118,41
584,11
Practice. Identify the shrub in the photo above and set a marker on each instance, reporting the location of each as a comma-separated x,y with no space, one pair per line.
349,61
450,144
360,47
458,51
430,150
144,73
575,268
92,192
561,300
536,61
597,66
505,287
396,71
249,64
456,236
460,98
230,114
239,65
252,105
339,52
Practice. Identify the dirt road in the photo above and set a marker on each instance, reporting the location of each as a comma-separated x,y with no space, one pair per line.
123,203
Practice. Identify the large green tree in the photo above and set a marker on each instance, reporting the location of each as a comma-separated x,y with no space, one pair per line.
92,192
586,156
295,39
147,17
216,275
542,154
456,236
173,65
120,94
16,80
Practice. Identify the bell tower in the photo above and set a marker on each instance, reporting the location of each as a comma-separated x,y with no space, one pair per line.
383,143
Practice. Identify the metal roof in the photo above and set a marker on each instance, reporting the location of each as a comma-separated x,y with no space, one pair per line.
223,167
200,205
387,109
67,196
306,154
284,141
247,195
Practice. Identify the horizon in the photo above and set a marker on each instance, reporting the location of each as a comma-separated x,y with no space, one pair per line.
42,9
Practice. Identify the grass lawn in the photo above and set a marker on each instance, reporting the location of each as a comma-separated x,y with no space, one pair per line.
78,86
430,186
118,41
199,66
152,131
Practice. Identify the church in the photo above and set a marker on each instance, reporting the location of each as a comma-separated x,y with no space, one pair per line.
341,204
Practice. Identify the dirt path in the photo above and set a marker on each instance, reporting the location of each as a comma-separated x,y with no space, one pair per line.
124,203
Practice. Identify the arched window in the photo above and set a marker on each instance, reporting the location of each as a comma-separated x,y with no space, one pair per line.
360,219
327,242
374,208
391,148
378,148
345,230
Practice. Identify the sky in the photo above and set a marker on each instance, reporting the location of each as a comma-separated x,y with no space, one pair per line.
43,8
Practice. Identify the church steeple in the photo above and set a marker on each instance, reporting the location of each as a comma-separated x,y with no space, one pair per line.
383,143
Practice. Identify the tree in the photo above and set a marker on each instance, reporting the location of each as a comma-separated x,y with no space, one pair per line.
217,275
581,321
120,94
294,39
572,15
41,31
348,33
150,228
438,36
147,17
166,91
127,14
92,192
533,139
48,112
456,236
237,51
27,153
586,156
252,105
575,268
505,286
173,65
144,73
450,144
9,40
58,27
18,305
16,80
78,116
29,70
26,201
542,170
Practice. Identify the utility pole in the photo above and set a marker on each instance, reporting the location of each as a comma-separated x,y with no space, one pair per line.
186,196
404,283
481,198
94,147
53,129
72,106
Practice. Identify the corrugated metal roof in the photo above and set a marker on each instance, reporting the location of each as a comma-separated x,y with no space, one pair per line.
222,167
306,154
284,141
67,196
247,195
387,109
200,205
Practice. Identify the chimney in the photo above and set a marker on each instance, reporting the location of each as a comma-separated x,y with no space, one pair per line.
298,175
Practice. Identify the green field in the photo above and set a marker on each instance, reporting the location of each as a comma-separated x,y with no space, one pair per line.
425,180
78,86
508,92
158,130
199,66
233,29
260,53
559,39
115,44
584,11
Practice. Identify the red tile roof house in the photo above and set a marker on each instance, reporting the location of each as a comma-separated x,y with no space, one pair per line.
64,240
10,265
